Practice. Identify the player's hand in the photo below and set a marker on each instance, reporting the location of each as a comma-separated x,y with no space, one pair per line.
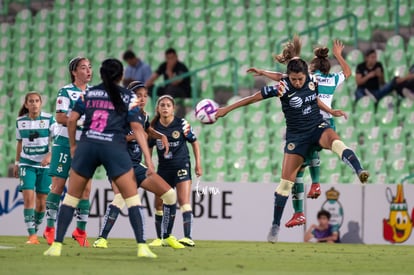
255,71
221,112
46,160
337,48
150,168
281,90
16,171
166,144
339,113
198,170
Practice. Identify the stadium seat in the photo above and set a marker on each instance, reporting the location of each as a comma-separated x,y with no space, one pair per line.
380,16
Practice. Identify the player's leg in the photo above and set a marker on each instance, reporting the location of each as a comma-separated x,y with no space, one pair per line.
298,217
314,169
330,140
82,215
163,190
158,221
128,189
290,168
184,196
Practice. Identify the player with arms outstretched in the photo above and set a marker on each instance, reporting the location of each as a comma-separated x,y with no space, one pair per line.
109,110
34,130
305,126
153,183
175,167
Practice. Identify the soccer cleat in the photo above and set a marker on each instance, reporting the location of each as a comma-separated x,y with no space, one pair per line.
272,236
156,243
145,252
187,242
100,243
54,250
363,176
80,237
315,191
296,220
33,239
172,241
49,235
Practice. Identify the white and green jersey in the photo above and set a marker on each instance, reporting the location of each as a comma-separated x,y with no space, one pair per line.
327,84
35,135
66,99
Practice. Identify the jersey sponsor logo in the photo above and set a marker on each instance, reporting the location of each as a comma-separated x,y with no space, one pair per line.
310,98
97,93
307,110
295,102
311,86
291,146
175,134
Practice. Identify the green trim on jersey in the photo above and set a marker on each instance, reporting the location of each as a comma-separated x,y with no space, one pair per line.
35,135
65,101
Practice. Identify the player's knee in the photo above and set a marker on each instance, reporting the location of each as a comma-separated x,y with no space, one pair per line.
338,147
71,201
133,201
118,201
185,208
285,187
169,197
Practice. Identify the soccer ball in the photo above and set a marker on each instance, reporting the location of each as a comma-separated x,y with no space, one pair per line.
206,110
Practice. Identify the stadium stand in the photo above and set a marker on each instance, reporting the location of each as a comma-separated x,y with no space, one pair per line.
37,43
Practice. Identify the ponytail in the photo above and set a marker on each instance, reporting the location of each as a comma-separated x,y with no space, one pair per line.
320,61
111,73
290,51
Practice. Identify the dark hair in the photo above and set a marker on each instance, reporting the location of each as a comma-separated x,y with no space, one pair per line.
157,114
128,54
73,65
290,50
324,213
320,61
369,52
297,65
23,110
111,73
170,50
135,85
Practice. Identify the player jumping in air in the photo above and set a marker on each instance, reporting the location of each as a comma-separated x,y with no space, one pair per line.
80,71
153,183
327,83
305,126
175,167
34,130
109,110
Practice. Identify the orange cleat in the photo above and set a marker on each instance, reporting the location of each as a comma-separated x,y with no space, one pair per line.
49,235
315,191
33,239
80,236
296,220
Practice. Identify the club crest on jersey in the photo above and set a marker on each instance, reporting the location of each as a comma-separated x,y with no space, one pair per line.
291,146
175,134
295,102
311,86
42,124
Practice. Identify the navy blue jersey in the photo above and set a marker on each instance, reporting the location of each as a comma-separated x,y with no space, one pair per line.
178,133
134,149
102,122
300,106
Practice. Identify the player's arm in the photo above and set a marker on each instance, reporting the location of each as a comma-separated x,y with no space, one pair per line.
197,155
276,76
221,112
19,147
71,125
140,137
333,112
309,233
337,52
154,134
61,118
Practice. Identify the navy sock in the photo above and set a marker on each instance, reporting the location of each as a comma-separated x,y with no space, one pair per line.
137,222
158,224
280,202
187,223
64,218
349,157
111,215
168,219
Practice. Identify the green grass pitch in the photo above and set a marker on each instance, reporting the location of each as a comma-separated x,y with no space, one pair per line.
208,257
